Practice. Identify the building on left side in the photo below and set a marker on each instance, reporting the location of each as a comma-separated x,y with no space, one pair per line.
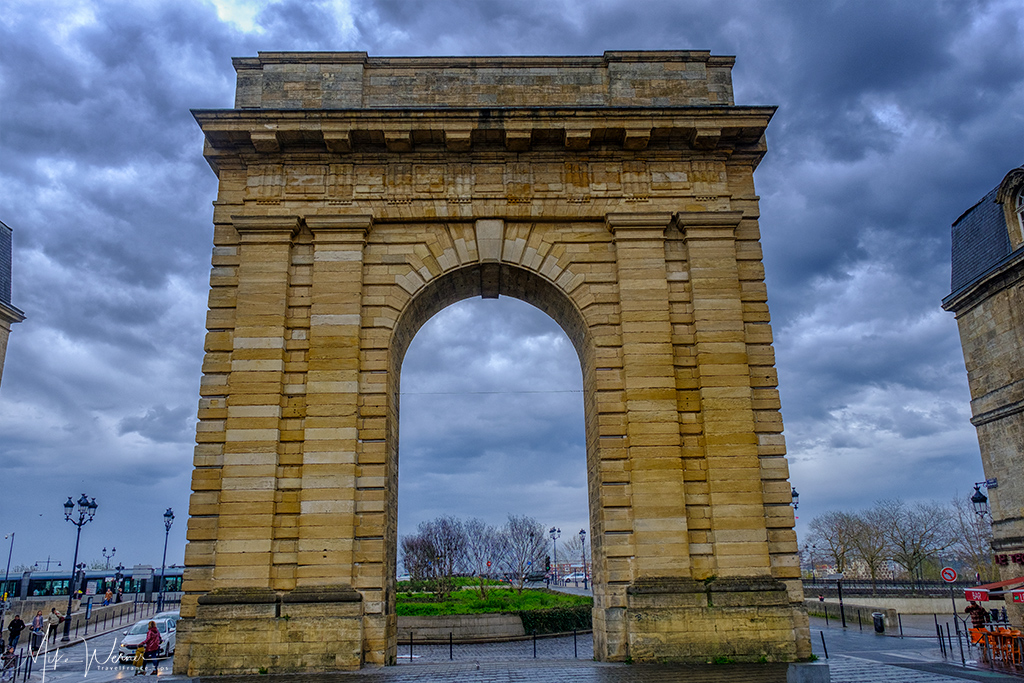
8,313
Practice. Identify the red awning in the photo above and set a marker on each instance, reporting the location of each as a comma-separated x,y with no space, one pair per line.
983,592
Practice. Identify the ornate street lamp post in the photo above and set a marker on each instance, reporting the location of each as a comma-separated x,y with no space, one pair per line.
555,534
104,553
583,553
86,511
168,521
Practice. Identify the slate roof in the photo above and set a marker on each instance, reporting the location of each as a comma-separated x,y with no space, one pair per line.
980,241
5,264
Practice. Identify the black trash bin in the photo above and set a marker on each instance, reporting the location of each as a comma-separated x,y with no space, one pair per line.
879,620
37,640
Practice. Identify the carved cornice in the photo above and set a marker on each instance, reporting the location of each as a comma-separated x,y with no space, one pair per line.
9,314
339,228
266,228
233,133
1006,274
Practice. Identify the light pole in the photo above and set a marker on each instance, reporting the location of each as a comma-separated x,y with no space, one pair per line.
3,592
555,534
168,521
583,553
86,511
7,572
104,553
118,580
48,562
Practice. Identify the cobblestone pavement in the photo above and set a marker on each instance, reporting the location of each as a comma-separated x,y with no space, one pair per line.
854,657
561,648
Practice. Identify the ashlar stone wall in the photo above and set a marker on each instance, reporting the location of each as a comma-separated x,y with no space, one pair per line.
358,197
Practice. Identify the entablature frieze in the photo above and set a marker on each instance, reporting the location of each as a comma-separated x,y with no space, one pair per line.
454,187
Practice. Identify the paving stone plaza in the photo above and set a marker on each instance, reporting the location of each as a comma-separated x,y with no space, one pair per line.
854,657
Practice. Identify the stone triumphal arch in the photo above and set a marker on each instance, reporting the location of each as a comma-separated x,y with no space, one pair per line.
359,196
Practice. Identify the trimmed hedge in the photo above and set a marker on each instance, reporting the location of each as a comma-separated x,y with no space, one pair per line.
557,619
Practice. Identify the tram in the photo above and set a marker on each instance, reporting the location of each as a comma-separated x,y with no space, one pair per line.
131,580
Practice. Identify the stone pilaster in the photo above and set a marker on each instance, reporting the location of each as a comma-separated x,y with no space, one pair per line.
326,543
652,423
738,529
252,427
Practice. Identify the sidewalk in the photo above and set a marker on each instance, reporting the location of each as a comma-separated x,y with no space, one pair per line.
854,656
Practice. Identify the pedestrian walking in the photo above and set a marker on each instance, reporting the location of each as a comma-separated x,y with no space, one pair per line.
53,620
8,664
14,629
107,597
38,621
152,645
977,613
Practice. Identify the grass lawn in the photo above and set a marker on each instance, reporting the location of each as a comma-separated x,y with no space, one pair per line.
498,600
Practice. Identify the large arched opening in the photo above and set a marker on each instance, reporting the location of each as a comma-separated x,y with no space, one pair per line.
489,281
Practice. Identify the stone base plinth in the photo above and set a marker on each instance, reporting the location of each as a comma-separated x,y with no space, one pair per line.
696,621
245,631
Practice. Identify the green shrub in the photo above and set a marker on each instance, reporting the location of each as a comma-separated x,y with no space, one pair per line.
497,601
557,619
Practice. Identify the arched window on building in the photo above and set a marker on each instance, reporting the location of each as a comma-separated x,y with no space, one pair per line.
1019,208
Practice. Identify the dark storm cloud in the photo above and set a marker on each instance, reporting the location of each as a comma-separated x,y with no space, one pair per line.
893,118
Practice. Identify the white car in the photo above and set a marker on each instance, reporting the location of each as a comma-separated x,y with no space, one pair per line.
135,636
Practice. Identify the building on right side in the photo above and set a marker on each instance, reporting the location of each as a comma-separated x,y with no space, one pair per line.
987,299
8,313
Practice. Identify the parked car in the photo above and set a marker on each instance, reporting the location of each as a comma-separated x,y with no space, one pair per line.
173,615
575,576
134,637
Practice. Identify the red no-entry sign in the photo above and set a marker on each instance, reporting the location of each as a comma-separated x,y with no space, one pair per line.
948,574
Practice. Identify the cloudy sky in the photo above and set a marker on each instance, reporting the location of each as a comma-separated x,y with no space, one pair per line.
894,117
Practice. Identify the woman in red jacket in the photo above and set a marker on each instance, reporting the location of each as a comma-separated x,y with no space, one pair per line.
152,646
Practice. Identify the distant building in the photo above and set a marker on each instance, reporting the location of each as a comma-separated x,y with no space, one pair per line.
988,301
8,313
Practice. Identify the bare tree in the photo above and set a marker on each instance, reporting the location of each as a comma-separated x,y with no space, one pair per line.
436,553
916,532
419,557
832,534
870,540
524,546
972,544
483,545
448,536
573,549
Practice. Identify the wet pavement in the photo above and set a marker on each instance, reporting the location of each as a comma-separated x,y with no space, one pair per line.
854,656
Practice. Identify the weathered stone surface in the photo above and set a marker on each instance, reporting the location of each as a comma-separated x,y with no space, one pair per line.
358,197
989,311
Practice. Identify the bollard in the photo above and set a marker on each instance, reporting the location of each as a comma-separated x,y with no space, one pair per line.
574,654
956,623
899,618
823,646
410,647
535,643
451,649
